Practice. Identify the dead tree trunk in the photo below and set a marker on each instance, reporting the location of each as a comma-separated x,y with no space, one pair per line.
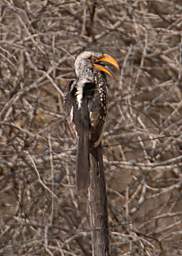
98,205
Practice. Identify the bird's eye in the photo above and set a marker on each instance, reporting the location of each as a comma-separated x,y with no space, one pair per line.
92,59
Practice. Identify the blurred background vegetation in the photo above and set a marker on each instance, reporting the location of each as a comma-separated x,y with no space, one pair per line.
39,209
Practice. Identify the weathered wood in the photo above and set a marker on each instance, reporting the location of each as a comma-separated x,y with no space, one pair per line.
98,205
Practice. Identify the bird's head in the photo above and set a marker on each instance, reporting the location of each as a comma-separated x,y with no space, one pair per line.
88,61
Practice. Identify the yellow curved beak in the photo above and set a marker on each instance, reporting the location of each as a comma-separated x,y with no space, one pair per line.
108,60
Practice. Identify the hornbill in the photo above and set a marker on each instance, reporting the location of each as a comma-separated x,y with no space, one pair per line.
87,99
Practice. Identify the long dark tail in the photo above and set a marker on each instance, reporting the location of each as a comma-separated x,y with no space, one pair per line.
83,176
83,164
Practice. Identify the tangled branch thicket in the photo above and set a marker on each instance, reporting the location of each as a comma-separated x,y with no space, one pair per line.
39,210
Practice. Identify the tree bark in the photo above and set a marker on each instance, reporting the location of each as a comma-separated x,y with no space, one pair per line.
98,205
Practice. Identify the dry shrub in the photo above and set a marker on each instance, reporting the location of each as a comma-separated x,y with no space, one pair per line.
39,212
